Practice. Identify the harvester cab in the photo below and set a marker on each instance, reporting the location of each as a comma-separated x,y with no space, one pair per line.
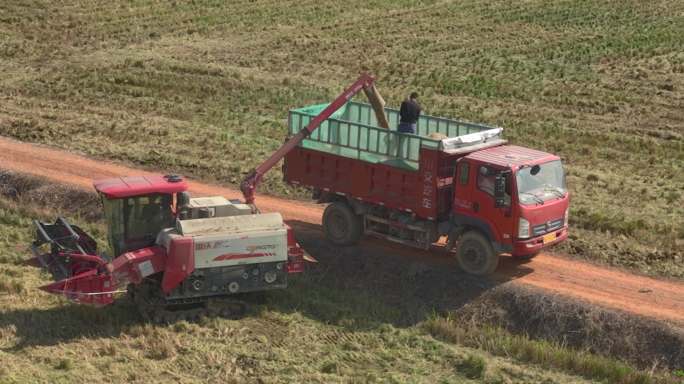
138,208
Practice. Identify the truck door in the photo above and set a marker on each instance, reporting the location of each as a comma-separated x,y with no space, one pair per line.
474,203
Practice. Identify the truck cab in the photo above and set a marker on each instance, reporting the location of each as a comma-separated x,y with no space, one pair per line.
515,196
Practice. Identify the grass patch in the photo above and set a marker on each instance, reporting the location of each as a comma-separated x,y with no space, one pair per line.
64,365
473,367
544,354
11,286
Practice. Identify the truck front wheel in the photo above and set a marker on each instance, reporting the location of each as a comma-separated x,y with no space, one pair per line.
476,255
341,225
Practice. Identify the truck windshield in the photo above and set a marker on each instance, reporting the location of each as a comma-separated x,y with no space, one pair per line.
540,183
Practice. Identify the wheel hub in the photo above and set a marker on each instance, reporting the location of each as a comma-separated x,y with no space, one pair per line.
339,227
473,255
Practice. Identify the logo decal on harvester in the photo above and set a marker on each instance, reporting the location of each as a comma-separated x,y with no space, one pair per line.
214,245
236,256
253,248
252,253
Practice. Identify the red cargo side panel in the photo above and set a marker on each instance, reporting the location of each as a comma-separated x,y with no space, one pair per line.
377,183
180,262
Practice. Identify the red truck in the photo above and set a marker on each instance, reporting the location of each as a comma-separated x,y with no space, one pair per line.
452,181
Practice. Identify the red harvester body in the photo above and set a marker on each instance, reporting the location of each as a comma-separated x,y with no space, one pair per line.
183,251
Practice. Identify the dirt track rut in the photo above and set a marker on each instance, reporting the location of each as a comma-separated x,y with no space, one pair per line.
608,287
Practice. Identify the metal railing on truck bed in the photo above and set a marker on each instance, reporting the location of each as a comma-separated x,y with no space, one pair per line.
353,132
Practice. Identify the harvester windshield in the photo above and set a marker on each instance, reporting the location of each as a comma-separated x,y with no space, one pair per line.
134,222
541,182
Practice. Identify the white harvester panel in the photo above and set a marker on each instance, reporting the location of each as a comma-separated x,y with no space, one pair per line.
215,206
212,201
241,248
236,240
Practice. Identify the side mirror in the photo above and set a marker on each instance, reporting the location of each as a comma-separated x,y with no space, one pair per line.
183,204
500,191
183,199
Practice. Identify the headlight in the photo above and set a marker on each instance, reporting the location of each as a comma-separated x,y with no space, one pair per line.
567,215
523,228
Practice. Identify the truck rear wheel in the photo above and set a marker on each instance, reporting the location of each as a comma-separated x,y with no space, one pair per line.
476,255
341,225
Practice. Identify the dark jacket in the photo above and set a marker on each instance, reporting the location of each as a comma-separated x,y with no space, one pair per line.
409,111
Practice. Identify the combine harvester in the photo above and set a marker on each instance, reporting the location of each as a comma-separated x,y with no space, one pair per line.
181,258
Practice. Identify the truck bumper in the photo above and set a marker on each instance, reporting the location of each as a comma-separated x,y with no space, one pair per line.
531,246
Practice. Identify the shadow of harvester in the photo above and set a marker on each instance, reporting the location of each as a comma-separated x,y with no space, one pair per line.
67,322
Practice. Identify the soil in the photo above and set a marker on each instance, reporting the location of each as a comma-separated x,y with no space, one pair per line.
607,287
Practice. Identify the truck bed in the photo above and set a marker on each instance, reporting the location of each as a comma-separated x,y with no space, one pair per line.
349,154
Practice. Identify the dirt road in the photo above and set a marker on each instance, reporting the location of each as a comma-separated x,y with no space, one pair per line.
603,286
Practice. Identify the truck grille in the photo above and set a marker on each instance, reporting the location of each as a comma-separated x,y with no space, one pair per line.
547,227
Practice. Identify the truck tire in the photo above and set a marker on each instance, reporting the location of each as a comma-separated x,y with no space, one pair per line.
341,225
476,255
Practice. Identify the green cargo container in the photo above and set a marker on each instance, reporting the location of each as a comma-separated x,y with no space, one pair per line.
353,132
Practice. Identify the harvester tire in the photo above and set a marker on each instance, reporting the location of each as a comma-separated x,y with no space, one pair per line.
341,225
476,255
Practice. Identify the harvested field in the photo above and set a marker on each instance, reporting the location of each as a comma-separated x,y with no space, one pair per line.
202,88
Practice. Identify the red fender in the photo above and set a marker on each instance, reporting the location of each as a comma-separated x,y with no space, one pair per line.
134,266
180,262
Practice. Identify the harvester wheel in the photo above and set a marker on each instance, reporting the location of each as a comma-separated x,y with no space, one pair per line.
341,225
476,255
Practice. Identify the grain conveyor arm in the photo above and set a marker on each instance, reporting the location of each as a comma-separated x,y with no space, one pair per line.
251,181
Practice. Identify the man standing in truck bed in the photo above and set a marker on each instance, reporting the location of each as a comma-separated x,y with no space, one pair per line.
408,114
